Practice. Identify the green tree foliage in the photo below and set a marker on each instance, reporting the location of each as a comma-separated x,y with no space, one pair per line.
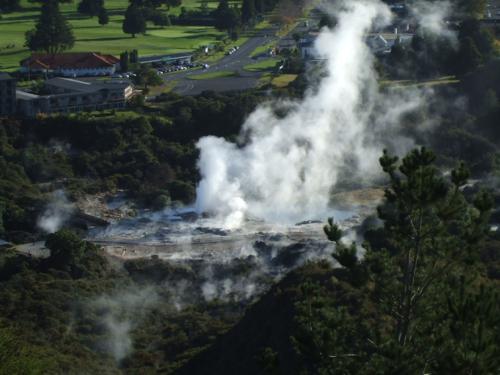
412,273
248,11
473,8
134,56
134,21
160,19
431,229
124,61
103,17
259,6
146,76
226,18
90,8
17,357
9,5
173,3
52,33
66,248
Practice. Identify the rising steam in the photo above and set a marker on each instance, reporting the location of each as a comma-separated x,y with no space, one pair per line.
288,165
57,212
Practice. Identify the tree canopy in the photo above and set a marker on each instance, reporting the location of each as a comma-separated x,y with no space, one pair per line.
134,21
52,33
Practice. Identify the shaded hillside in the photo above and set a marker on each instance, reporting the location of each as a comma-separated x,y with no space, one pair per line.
265,340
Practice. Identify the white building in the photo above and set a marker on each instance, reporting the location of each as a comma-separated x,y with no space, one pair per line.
65,95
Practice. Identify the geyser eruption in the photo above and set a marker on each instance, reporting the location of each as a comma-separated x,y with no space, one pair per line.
288,165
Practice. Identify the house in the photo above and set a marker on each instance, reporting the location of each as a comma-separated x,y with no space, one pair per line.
72,64
65,95
379,45
7,95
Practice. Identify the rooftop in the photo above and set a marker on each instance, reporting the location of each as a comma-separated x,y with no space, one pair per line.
71,60
84,86
74,86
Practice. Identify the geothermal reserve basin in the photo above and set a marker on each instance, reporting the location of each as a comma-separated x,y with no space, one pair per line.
183,235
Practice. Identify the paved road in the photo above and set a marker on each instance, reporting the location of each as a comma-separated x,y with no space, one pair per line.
233,63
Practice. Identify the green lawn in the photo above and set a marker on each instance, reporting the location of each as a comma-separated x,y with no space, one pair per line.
212,75
445,80
263,65
283,80
90,36
216,56
263,49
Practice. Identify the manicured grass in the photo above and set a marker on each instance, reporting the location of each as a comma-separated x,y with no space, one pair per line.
263,25
283,80
216,56
445,80
90,36
262,66
263,49
163,89
212,75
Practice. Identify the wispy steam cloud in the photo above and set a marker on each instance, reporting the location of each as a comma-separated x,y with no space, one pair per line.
431,16
57,212
120,313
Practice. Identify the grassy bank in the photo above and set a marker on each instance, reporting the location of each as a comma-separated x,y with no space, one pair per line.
90,36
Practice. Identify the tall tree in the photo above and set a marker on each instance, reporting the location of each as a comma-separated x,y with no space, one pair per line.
411,266
9,5
226,18
124,61
134,21
259,6
147,77
90,8
134,56
103,17
173,3
52,33
247,11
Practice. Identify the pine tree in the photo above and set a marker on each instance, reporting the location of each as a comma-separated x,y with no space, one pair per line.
134,22
410,272
134,56
430,227
52,33
124,61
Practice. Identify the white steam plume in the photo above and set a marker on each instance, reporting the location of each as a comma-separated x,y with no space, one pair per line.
120,313
56,213
288,166
431,16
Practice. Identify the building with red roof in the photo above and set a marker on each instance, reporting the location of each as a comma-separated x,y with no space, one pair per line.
72,64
